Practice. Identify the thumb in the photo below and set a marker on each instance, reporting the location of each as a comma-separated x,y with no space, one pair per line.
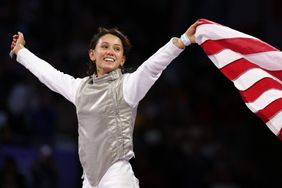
20,39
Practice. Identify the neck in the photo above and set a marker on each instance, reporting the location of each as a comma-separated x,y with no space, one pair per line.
99,74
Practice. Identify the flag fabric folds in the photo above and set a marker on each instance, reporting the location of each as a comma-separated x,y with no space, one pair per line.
254,67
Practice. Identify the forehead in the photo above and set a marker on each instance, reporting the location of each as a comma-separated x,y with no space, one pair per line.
110,38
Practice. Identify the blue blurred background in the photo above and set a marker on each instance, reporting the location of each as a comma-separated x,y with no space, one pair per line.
192,128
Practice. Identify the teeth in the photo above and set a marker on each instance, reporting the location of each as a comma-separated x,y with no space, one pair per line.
109,59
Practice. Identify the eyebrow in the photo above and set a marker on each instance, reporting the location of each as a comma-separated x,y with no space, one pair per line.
113,44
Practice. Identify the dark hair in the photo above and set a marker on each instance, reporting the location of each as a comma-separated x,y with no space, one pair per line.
101,32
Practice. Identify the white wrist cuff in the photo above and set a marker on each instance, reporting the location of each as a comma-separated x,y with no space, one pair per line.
185,40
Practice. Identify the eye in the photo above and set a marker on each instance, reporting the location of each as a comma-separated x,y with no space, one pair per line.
117,49
104,46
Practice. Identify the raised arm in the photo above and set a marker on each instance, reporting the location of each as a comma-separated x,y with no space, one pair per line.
55,80
137,84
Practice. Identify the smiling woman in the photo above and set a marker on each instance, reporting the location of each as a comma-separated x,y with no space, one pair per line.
109,46
106,101
108,54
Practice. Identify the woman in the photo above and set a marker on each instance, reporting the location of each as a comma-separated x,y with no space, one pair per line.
105,102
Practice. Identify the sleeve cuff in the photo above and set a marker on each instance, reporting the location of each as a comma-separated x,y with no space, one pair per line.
20,54
174,48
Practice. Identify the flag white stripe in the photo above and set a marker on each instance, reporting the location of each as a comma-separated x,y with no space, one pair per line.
217,32
264,99
275,123
250,77
268,60
227,56
224,58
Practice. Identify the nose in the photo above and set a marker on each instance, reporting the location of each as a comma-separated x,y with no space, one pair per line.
110,51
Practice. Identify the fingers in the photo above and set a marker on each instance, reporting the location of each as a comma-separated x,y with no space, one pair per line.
17,43
195,25
13,44
17,36
14,41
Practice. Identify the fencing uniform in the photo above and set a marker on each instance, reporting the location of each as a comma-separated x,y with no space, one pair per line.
106,109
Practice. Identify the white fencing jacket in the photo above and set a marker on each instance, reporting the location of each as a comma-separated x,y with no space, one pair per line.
106,106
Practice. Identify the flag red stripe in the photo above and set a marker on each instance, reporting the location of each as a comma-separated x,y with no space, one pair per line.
270,110
280,135
241,45
205,21
238,67
277,74
258,88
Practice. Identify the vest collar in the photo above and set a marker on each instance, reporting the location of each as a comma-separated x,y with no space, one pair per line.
115,74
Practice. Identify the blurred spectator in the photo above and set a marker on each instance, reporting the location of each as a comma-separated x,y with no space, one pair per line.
43,171
5,129
42,119
10,176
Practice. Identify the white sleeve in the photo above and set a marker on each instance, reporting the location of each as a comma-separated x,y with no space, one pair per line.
137,84
55,80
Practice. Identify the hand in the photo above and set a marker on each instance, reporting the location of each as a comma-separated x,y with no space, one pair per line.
191,32
18,43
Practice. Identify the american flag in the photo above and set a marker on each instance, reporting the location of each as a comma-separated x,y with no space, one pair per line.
254,67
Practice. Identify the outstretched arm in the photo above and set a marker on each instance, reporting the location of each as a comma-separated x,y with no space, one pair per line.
55,80
137,84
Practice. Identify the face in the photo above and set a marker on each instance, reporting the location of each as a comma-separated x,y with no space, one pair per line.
108,54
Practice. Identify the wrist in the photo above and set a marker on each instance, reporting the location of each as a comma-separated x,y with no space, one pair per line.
185,40
18,48
177,42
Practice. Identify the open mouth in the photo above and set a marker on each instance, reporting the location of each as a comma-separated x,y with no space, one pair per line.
109,59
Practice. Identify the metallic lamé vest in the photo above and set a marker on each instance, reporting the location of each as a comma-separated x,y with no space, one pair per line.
106,124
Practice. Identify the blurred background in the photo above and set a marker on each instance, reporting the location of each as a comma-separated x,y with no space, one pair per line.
192,129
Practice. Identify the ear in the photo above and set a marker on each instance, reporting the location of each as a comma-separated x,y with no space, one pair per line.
122,60
92,55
